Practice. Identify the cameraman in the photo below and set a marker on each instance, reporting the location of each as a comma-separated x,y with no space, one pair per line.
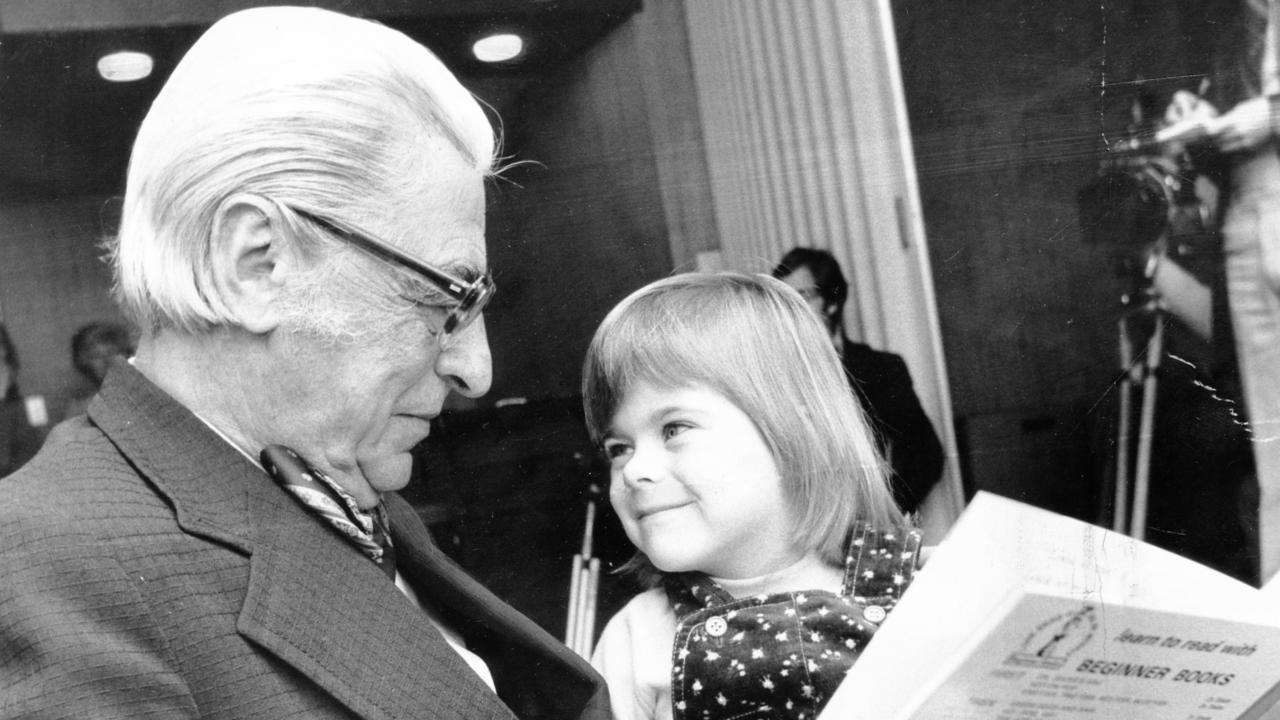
1245,135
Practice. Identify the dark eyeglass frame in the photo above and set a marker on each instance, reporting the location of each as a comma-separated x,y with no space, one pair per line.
471,296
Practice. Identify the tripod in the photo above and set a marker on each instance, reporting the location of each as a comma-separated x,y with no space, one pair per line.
584,585
1138,375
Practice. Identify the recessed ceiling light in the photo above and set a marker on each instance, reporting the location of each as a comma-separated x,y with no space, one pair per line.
125,66
498,47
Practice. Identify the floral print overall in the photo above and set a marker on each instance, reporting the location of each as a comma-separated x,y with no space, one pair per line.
781,655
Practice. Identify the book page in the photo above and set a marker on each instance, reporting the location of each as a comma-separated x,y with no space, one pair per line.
1271,589
1000,550
1055,657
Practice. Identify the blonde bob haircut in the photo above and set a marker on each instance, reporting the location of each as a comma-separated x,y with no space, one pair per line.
754,341
313,110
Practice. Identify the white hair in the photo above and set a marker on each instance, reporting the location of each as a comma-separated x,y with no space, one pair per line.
311,109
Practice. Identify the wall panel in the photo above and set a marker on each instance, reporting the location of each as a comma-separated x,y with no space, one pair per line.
824,153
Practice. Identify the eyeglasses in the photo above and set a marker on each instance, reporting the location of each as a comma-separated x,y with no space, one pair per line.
471,296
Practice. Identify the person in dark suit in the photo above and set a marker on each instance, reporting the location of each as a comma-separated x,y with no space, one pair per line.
302,248
880,379
19,437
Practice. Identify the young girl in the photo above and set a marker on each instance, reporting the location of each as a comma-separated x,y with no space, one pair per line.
742,469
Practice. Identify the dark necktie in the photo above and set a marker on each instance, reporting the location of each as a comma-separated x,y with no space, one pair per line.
367,530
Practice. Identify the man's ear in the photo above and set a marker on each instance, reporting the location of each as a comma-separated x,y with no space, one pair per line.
251,260
831,317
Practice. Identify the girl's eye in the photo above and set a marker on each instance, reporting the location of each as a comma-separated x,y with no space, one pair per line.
614,450
672,429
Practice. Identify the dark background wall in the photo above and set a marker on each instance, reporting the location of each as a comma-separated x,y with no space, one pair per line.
52,280
616,195
1011,106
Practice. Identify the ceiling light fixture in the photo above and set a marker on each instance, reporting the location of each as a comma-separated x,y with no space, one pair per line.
499,47
125,66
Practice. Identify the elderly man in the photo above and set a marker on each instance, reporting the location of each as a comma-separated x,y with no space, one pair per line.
302,246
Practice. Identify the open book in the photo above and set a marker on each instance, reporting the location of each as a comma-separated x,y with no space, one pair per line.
1021,613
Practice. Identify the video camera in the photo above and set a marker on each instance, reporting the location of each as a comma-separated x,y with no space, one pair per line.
1146,199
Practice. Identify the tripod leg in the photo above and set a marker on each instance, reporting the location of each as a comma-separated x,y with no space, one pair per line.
575,603
587,631
583,586
1146,435
1120,505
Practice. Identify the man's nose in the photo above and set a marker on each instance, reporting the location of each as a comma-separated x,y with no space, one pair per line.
465,362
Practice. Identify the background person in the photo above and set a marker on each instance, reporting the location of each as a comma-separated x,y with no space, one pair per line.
880,379
94,348
1240,122
20,438
302,247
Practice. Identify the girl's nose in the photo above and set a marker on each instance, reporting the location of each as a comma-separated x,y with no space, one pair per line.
642,467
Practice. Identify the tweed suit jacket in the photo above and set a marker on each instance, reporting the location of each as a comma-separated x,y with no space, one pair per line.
149,570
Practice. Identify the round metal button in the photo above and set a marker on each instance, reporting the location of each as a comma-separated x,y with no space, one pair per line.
717,626
875,614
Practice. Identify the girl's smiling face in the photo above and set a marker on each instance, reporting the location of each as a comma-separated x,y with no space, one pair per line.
695,485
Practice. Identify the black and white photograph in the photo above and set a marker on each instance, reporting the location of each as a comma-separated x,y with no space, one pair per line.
640,359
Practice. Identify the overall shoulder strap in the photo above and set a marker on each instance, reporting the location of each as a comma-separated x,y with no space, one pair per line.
880,565
690,592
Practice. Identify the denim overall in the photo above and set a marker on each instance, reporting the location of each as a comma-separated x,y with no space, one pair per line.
781,655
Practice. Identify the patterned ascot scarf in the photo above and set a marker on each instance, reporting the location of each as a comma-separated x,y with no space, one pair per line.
782,655
367,530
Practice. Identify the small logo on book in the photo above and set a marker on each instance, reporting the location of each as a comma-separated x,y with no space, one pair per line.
1054,641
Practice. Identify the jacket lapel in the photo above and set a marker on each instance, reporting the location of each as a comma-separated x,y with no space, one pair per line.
204,478
535,674
312,599
360,637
